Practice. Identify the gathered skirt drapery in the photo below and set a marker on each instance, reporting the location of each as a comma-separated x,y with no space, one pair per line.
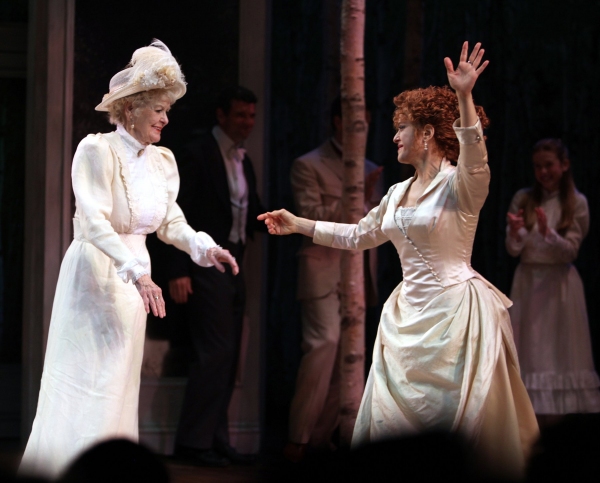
90,384
444,367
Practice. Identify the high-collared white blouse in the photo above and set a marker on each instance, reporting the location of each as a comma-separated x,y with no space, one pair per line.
112,200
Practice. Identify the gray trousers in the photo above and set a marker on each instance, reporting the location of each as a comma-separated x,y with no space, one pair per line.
314,412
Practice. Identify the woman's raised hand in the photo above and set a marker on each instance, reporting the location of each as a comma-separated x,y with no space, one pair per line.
151,295
279,222
468,69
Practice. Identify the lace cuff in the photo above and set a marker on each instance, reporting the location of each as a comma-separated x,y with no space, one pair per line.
200,243
132,270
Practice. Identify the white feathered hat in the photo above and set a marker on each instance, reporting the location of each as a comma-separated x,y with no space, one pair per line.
151,67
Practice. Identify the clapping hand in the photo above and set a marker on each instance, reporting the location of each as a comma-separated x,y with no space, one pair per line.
515,223
542,221
468,69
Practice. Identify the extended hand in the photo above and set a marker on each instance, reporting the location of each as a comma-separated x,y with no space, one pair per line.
542,221
151,295
179,289
279,222
468,69
515,223
216,255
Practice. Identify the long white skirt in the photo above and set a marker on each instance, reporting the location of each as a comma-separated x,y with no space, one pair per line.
552,336
449,366
90,384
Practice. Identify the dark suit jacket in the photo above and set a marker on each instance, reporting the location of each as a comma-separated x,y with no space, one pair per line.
205,200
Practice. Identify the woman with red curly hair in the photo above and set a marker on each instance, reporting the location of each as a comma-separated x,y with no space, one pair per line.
444,358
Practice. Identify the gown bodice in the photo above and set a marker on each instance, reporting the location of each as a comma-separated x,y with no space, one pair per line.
435,246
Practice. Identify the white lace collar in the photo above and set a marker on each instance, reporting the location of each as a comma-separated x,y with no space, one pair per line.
132,145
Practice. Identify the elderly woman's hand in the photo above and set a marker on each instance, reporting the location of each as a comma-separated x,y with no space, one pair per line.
468,69
151,295
216,255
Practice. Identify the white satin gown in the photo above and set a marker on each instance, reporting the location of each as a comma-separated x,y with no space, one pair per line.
444,356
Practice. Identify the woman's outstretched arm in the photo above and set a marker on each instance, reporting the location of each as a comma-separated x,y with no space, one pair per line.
282,222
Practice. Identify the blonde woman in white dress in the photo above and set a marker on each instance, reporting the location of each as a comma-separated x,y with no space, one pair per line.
125,188
546,225
444,357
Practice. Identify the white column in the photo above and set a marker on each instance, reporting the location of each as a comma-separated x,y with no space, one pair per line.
48,209
254,55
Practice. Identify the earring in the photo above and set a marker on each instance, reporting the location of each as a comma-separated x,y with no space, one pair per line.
132,125
425,145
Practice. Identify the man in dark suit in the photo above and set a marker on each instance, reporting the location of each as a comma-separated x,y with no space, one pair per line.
218,196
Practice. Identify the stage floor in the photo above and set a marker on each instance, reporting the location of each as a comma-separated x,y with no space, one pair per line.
192,474
10,455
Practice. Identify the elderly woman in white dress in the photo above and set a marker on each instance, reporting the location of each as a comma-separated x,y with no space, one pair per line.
444,357
125,188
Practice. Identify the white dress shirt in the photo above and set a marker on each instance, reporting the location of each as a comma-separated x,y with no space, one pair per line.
233,155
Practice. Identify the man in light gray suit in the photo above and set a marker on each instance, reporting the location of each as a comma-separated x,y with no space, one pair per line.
317,185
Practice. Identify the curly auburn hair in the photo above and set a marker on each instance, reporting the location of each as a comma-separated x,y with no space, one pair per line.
437,106
139,100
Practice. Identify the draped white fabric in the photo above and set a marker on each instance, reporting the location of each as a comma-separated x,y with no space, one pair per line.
90,384
445,329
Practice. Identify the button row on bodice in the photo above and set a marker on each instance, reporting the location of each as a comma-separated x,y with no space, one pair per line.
433,272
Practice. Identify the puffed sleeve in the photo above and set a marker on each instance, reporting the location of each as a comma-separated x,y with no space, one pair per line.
307,194
472,172
362,236
174,229
554,248
513,246
92,173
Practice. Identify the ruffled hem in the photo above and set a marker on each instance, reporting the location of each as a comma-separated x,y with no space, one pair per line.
563,381
565,401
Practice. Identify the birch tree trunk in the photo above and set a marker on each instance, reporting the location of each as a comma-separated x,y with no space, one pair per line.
353,155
